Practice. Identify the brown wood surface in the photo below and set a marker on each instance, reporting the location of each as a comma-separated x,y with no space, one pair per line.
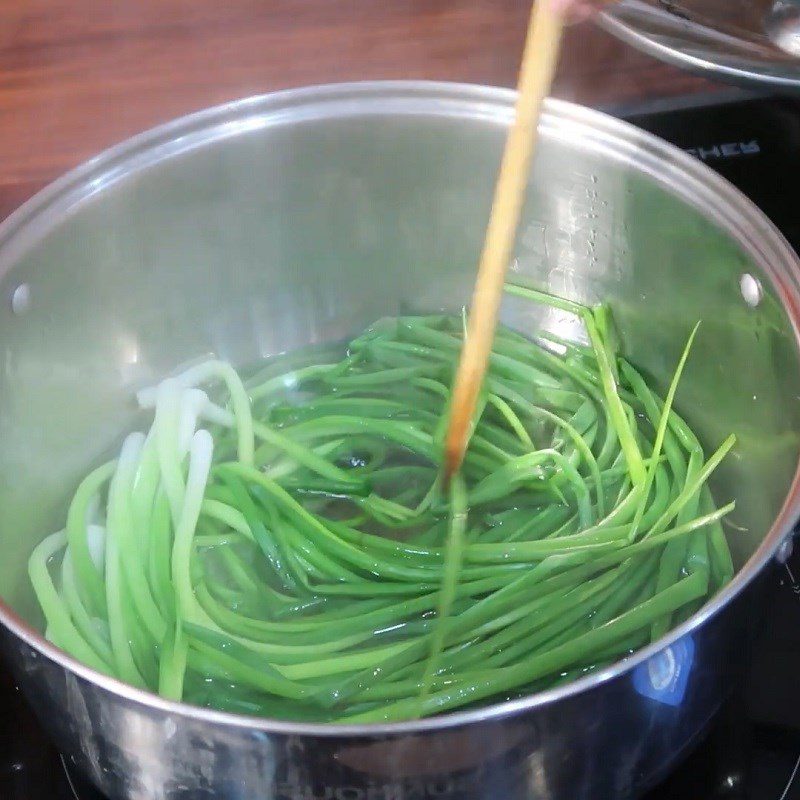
79,75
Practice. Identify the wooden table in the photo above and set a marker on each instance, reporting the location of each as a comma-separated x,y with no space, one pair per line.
79,75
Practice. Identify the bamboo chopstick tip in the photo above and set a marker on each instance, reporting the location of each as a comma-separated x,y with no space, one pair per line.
453,456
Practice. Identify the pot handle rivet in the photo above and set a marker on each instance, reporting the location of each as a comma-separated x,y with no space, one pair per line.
784,551
751,290
21,298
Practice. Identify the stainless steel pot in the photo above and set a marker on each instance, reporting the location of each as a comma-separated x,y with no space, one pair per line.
298,217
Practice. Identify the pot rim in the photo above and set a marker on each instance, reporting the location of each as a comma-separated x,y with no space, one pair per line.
683,175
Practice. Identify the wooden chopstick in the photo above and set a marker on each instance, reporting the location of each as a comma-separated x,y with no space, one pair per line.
539,61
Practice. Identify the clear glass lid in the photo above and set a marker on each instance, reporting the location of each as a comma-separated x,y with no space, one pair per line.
746,41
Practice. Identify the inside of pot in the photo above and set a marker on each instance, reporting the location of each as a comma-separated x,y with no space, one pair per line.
275,234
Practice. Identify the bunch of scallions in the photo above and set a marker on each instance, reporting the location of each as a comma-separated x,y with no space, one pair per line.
283,544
